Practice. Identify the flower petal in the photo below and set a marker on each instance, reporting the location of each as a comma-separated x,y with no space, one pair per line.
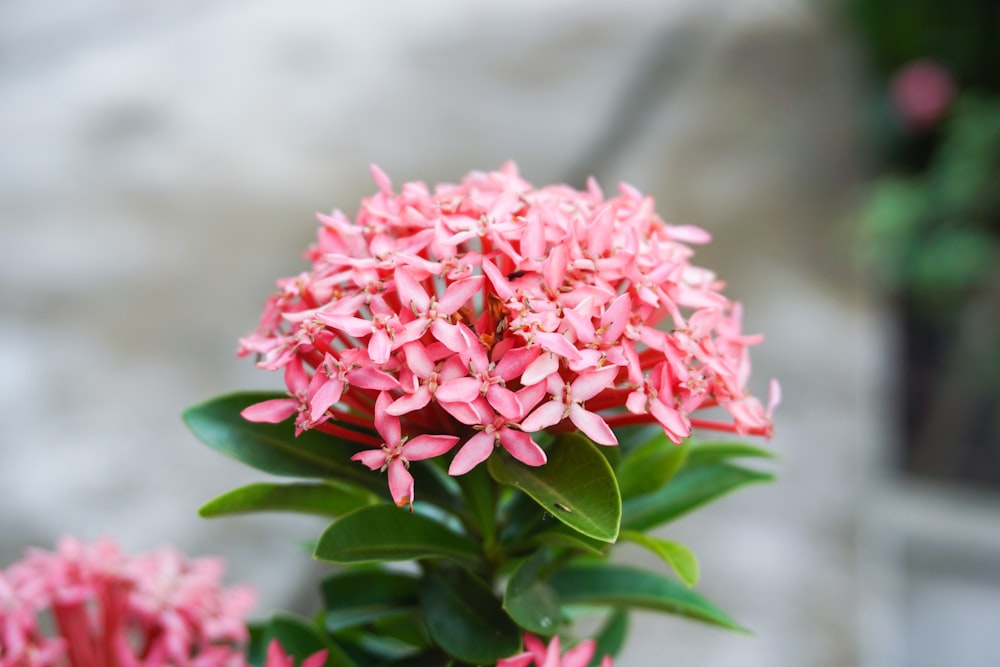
459,390
271,412
459,293
477,412
671,420
410,292
428,446
545,415
616,317
592,383
386,424
324,397
417,360
579,655
450,334
400,483
522,447
592,425
410,402
515,362
475,451
504,401
372,378
379,346
541,368
372,458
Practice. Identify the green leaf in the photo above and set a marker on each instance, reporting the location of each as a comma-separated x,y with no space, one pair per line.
465,618
650,465
273,448
387,640
405,628
481,499
576,485
630,437
561,535
674,554
529,600
611,637
618,586
326,499
301,640
520,516
358,596
691,488
388,533
712,452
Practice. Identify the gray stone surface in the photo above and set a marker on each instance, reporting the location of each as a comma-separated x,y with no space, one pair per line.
159,169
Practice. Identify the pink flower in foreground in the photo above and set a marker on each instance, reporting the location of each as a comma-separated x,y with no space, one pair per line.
108,609
484,311
397,452
540,655
276,657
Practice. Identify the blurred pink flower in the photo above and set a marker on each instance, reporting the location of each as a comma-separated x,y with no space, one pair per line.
107,609
487,310
276,657
922,92
540,655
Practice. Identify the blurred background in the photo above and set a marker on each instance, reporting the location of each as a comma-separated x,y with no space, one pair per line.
160,164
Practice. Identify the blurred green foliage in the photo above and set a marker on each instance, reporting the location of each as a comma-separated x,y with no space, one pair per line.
962,35
930,233
935,233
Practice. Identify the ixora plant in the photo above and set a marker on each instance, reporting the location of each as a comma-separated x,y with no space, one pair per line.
523,367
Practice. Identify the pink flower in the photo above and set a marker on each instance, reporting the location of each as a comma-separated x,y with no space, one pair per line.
397,452
112,610
276,657
540,655
478,313
922,92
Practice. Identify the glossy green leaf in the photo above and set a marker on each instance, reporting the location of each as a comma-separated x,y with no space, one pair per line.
576,485
433,484
618,586
712,452
465,618
480,496
389,533
300,640
611,637
529,600
357,596
561,535
385,640
691,488
324,499
612,454
650,465
406,628
520,516
274,448
676,555
630,437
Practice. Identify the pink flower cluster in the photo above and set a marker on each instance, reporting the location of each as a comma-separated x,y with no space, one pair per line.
485,311
91,605
540,655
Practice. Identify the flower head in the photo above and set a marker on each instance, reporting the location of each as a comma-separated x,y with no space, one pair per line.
109,609
485,311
